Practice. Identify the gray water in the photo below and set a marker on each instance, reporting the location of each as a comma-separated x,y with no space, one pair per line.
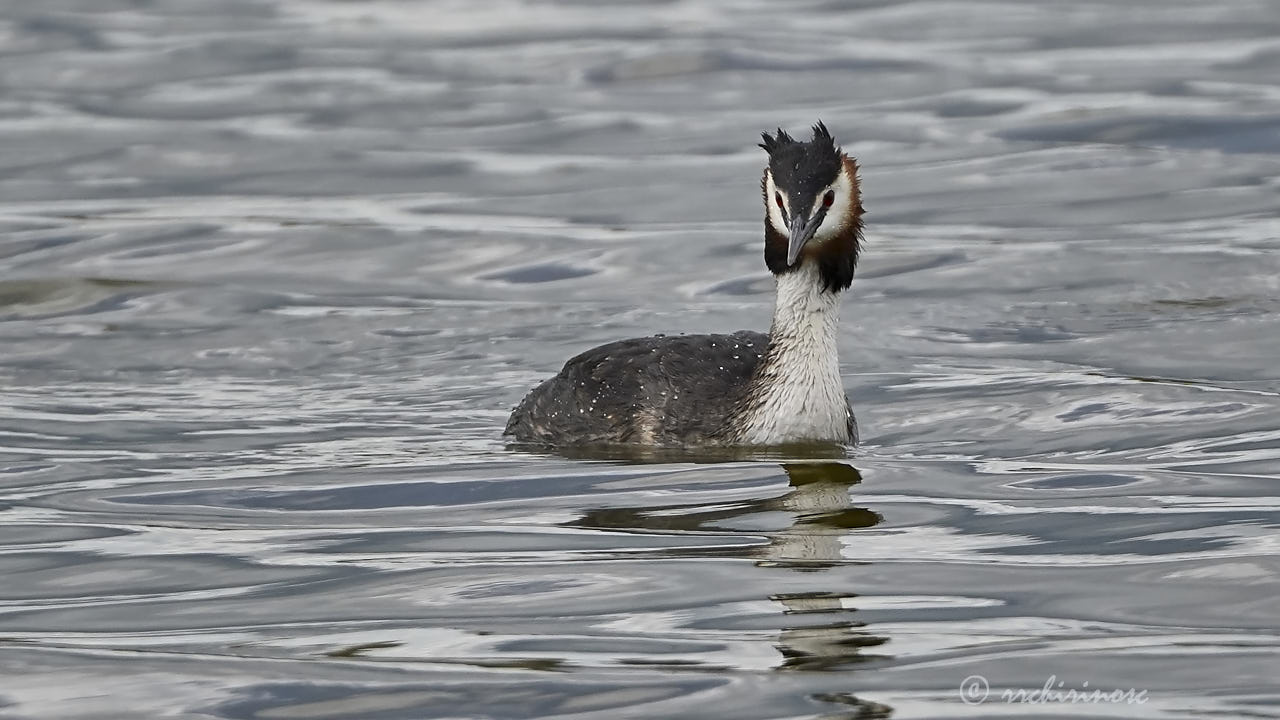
273,272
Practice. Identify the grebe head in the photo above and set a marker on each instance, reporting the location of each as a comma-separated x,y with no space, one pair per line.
813,208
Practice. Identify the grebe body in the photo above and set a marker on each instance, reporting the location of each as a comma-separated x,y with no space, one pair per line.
745,388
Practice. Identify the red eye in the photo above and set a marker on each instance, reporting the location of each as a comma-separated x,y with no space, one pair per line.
829,198
777,197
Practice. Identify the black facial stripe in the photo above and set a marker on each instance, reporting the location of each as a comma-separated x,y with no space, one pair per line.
818,216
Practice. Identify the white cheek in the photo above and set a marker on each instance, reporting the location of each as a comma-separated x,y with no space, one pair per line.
838,214
775,214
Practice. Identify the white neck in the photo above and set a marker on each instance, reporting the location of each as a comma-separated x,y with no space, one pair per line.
799,395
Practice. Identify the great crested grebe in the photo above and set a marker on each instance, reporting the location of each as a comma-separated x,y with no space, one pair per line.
747,388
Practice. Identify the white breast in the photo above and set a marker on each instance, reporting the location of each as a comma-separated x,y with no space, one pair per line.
802,396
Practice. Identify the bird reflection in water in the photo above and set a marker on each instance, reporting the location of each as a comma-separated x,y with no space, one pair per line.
822,513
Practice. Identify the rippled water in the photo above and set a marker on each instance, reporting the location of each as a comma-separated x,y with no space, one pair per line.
273,273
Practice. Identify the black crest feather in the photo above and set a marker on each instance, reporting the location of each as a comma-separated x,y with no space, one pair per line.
822,137
822,140
771,143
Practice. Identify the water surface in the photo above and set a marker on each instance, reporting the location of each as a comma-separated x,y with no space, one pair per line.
273,272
